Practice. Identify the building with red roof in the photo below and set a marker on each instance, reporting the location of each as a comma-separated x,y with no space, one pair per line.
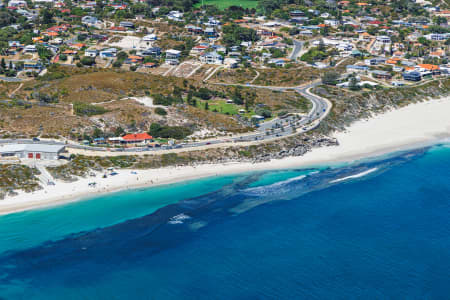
137,138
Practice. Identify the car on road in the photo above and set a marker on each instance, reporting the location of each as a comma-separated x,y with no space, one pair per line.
35,139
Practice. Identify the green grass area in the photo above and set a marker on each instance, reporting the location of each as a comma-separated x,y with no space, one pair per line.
222,4
222,107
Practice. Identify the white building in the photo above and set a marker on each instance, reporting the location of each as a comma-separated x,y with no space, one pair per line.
30,49
150,38
437,36
91,21
212,58
383,39
32,151
91,52
17,3
332,23
172,56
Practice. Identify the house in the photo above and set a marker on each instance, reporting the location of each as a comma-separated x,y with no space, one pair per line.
175,15
78,46
134,59
299,20
89,21
154,51
433,69
356,53
381,74
280,62
235,49
219,48
57,41
91,52
412,76
132,139
32,151
126,24
69,52
437,36
438,53
194,29
14,44
17,3
366,37
212,58
374,61
296,13
306,32
32,65
383,39
210,32
150,38
332,23
271,24
235,54
108,53
173,56
118,29
198,49
30,49
212,22
150,65
356,68
231,62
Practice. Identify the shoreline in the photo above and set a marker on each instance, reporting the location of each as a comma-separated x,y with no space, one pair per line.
414,126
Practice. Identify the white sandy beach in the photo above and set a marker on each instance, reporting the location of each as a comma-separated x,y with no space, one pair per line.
412,126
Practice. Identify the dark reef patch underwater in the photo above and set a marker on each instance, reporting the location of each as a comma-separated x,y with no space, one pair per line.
376,229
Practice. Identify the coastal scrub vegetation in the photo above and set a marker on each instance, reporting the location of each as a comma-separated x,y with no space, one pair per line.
17,177
85,109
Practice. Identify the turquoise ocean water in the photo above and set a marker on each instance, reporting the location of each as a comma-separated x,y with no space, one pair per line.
377,229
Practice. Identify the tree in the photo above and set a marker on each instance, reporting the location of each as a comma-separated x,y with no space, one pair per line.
117,64
87,61
330,78
97,133
3,64
119,131
237,96
353,84
423,41
46,16
189,97
160,111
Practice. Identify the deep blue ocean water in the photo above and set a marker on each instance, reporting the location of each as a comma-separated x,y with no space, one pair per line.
378,229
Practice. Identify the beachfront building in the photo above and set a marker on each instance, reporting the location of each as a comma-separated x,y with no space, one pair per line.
134,139
31,151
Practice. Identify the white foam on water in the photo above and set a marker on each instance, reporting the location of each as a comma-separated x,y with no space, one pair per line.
362,174
265,188
178,219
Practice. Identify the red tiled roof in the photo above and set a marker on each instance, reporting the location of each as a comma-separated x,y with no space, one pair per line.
137,137
429,67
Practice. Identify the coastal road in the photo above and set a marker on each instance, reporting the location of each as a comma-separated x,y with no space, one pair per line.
271,130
